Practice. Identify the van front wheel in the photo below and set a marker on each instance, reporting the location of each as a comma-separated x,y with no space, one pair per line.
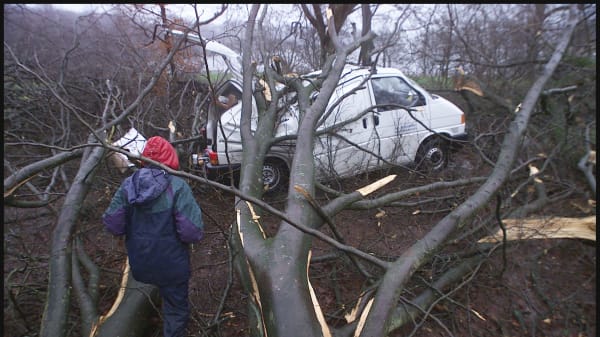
432,155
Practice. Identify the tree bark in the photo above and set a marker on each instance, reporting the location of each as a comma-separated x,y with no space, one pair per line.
20,177
131,310
87,296
54,319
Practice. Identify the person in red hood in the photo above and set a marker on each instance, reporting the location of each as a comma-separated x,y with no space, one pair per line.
159,217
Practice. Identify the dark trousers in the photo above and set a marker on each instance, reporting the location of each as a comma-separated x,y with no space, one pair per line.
175,309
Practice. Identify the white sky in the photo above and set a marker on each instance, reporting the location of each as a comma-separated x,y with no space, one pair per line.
207,10
184,10
80,8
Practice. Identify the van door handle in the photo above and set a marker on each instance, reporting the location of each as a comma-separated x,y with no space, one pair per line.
364,123
376,120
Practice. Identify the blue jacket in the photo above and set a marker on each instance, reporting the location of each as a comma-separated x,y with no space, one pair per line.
159,217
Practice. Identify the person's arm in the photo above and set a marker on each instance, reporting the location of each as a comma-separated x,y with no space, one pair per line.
188,216
115,216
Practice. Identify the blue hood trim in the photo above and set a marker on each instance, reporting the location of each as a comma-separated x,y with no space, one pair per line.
145,185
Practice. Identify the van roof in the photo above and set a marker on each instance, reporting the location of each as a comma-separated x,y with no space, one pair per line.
355,70
233,60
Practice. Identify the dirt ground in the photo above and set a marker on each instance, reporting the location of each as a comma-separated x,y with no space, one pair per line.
547,288
544,287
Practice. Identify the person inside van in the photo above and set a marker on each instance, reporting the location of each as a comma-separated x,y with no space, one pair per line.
226,102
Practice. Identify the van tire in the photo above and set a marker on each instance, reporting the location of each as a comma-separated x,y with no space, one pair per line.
275,175
432,155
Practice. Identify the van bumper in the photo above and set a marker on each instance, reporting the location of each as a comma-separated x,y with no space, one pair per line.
219,172
463,137
458,141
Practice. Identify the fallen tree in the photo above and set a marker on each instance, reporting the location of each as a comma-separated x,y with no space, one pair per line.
551,228
274,269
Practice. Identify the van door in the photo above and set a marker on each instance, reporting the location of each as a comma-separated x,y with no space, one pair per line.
398,135
223,124
346,149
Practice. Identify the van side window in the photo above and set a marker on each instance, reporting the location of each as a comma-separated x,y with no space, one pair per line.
394,90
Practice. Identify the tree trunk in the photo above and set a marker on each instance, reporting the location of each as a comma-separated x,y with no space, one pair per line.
364,56
58,301
131,310
275,270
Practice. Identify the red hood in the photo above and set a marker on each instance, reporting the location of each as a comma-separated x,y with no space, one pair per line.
160,150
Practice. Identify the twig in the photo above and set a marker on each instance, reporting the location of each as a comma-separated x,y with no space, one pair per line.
426,314
586,164
216,319
499,219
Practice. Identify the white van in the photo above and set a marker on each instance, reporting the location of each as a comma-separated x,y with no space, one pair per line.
366,131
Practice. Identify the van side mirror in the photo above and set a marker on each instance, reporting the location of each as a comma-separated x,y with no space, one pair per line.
412,97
